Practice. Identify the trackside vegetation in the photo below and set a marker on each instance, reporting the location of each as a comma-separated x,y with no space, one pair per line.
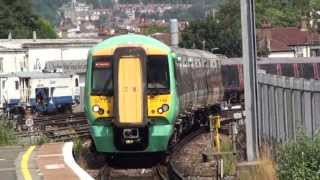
7,134
299,159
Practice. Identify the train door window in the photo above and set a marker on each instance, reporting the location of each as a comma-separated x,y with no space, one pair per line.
76,82
17,85
306,71
287,70
3,84
102,77
158,82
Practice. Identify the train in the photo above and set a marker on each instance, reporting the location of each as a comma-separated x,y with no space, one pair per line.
42,92
233,80
141,95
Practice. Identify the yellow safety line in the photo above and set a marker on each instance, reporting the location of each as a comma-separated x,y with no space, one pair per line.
24,163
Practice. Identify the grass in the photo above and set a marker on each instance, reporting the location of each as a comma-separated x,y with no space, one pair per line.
229,160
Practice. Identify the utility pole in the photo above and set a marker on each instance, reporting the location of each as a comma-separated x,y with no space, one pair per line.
250,80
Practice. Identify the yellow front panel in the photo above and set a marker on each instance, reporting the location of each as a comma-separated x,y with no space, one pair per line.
155,102
130,91
105,103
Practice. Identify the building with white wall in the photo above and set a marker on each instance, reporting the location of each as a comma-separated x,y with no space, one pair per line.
27,55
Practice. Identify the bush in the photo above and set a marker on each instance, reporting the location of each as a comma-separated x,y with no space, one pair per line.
300,159
43,139
7,134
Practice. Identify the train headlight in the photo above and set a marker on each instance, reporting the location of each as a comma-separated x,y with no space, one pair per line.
95,108
165,107
160,110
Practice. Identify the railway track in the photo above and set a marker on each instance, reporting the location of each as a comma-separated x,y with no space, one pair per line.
173,172
60,127
164,171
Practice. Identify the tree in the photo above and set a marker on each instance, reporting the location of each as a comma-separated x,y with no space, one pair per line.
18,18
222,32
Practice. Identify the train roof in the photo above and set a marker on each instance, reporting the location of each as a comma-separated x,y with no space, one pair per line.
37,75
233,61
196,53
130,39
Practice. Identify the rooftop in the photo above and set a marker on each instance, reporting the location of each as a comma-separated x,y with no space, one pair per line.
281,38
27,43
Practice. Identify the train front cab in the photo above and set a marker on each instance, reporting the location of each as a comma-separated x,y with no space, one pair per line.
132,99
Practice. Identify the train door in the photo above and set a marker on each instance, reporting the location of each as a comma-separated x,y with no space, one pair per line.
130,83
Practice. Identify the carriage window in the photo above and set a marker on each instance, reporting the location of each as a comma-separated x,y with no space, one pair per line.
158,74
102,77
307,71
287,70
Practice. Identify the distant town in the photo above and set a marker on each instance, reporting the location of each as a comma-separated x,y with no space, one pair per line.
81,20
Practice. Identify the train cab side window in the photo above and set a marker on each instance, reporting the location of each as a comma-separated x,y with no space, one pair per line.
158,74
17,85
102,76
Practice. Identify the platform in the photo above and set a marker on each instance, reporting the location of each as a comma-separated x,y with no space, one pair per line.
46,162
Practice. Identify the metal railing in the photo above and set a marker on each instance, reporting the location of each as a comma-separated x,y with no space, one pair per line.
286,105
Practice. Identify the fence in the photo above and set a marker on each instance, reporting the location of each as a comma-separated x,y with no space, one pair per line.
286,105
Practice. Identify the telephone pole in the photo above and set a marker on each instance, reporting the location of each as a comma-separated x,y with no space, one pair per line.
249,56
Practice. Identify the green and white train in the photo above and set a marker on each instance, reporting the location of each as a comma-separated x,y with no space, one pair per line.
141,95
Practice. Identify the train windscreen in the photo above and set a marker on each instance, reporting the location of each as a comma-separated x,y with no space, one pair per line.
158,75
306,71
102,77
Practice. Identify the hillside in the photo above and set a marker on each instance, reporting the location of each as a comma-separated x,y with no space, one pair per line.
48,9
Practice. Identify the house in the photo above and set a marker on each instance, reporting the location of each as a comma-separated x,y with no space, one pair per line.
287,42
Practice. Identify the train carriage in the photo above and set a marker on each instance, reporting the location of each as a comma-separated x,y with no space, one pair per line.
232,73
43,92
140,92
